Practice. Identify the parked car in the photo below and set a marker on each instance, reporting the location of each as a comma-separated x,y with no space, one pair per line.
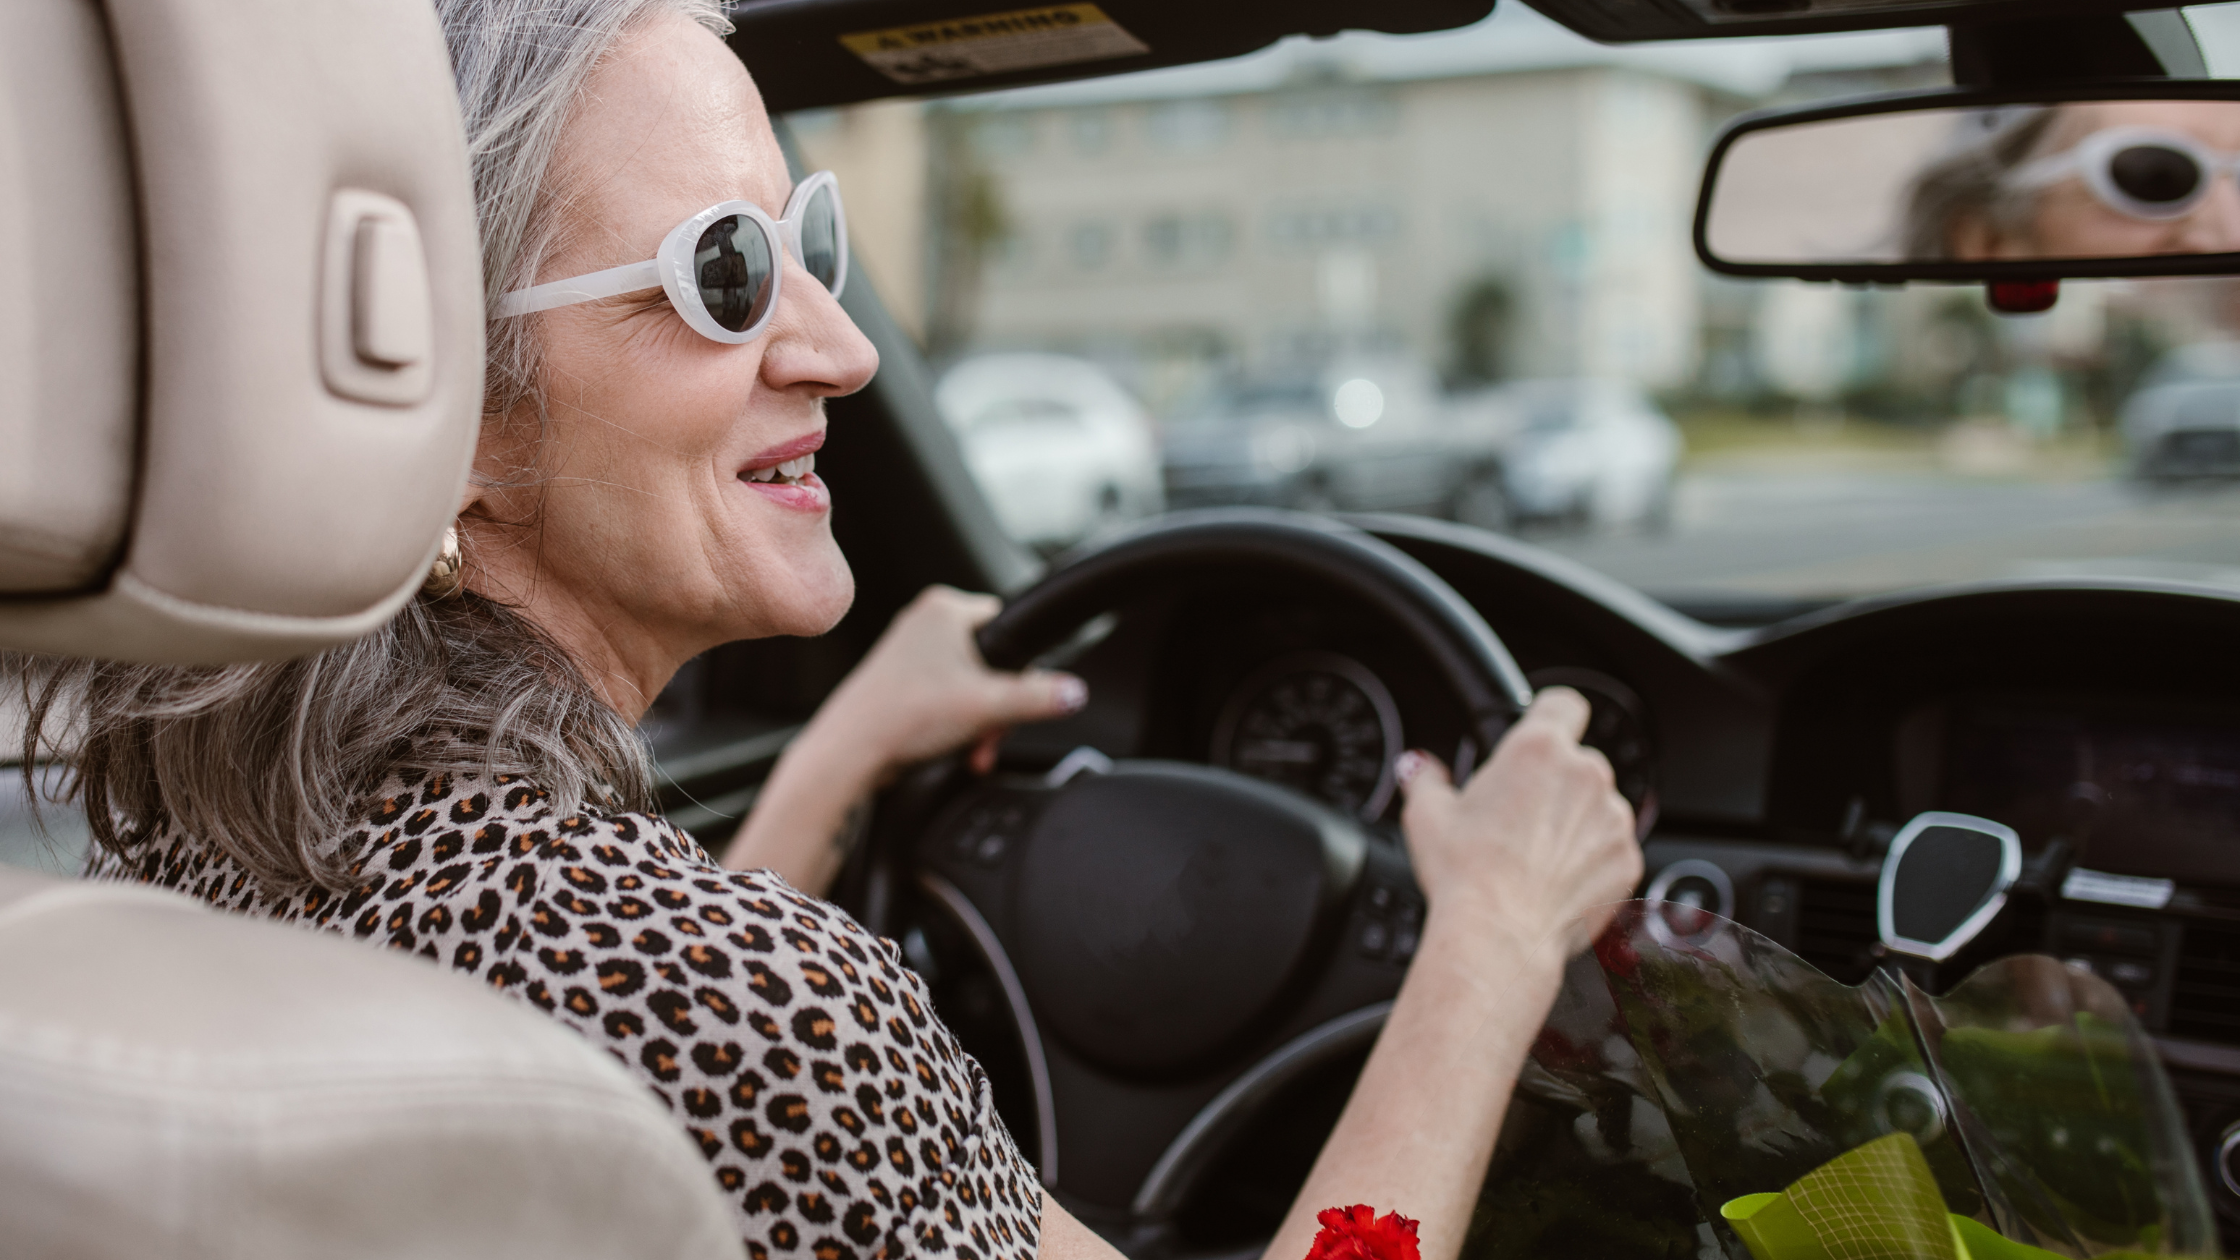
1595,453
1362,436
1061,449
2184,421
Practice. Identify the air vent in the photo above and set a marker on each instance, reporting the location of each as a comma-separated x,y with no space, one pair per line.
1835,927
2205,1000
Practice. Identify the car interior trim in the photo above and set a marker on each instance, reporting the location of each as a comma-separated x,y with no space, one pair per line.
1660,885
799,54
2010,866
1610,23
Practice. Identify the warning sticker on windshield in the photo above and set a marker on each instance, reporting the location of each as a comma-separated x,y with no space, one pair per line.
994,43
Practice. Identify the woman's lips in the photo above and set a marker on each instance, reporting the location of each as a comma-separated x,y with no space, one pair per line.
806,444
809,494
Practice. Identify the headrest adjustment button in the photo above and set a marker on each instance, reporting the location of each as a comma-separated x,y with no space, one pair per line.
389,315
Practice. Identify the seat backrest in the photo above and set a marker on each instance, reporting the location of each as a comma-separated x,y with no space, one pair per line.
241,357
178,1082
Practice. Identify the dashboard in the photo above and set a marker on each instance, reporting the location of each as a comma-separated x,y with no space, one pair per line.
1771,767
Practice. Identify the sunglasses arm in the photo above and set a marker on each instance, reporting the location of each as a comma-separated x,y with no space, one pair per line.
599,284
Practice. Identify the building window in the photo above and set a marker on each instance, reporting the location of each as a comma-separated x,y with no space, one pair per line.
1331,113
1318,226
1089,245
1091,131
1011,254
1190,126
1187,239
1003,134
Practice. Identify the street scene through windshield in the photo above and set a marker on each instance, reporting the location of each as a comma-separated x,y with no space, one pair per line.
1451,274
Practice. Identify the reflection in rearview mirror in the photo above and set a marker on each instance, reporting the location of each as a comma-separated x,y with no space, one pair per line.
2076,180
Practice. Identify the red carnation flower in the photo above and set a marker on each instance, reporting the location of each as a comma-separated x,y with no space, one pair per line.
1358,1233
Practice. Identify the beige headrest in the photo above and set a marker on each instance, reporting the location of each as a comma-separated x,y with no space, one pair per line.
177,1082
241,358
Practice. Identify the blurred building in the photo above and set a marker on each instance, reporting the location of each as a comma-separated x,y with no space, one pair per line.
1506,201
1268,229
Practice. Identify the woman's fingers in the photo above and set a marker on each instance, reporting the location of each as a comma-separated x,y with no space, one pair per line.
1034,696
983,758
1426,791
1010,699
1561,709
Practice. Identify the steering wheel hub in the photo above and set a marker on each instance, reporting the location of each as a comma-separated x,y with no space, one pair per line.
1163,909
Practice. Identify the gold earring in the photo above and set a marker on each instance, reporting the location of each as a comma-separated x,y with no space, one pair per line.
448,574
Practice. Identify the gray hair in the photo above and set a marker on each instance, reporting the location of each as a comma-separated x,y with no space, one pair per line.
272,762
1971,180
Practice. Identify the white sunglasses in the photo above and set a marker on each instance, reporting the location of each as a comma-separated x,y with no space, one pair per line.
722,268
2145,172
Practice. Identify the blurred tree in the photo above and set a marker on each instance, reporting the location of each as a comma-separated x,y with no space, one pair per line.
1478,333
965,221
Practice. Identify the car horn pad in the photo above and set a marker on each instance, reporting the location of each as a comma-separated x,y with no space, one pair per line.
1699,1090
1177,942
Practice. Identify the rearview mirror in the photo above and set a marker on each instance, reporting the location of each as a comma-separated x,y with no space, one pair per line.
2125,180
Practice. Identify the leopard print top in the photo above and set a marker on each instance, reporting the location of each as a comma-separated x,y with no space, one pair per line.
838,1114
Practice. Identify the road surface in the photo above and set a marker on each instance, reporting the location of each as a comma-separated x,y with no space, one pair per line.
1841,534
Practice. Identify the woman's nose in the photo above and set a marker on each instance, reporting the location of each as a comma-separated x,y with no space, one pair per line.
813,343
2214,228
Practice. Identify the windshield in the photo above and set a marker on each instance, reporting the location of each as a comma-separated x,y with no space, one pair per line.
1451,275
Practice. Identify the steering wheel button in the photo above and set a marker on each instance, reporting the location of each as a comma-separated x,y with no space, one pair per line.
990,850
1374,937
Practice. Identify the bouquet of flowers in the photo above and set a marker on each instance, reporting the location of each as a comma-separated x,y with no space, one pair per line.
1701,1092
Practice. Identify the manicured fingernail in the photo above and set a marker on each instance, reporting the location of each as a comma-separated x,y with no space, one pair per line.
1408,765
1071,693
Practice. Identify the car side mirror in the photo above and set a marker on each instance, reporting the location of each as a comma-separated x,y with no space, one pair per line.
1946,876
2103,179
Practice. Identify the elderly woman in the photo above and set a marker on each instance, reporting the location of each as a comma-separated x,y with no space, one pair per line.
467,784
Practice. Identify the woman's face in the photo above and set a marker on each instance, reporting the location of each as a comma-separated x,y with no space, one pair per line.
2069,221
641,528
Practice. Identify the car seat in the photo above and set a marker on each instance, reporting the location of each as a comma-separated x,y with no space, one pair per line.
240,379
179,1082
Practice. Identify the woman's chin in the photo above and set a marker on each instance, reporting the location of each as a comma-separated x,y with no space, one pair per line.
819,594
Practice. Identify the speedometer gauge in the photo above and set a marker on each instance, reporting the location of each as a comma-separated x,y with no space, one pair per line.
1317,722
1620,729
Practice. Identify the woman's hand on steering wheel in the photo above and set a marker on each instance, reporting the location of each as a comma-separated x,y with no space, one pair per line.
1537,842
921,691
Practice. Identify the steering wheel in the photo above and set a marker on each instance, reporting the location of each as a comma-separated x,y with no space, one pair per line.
1177,943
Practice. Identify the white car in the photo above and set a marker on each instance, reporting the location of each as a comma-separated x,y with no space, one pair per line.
1061,449
1588,452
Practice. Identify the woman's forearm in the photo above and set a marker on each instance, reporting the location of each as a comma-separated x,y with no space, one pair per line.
805,811
1419,1129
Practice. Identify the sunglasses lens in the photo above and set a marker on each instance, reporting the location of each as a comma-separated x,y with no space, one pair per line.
733,265
820,236
2154,175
